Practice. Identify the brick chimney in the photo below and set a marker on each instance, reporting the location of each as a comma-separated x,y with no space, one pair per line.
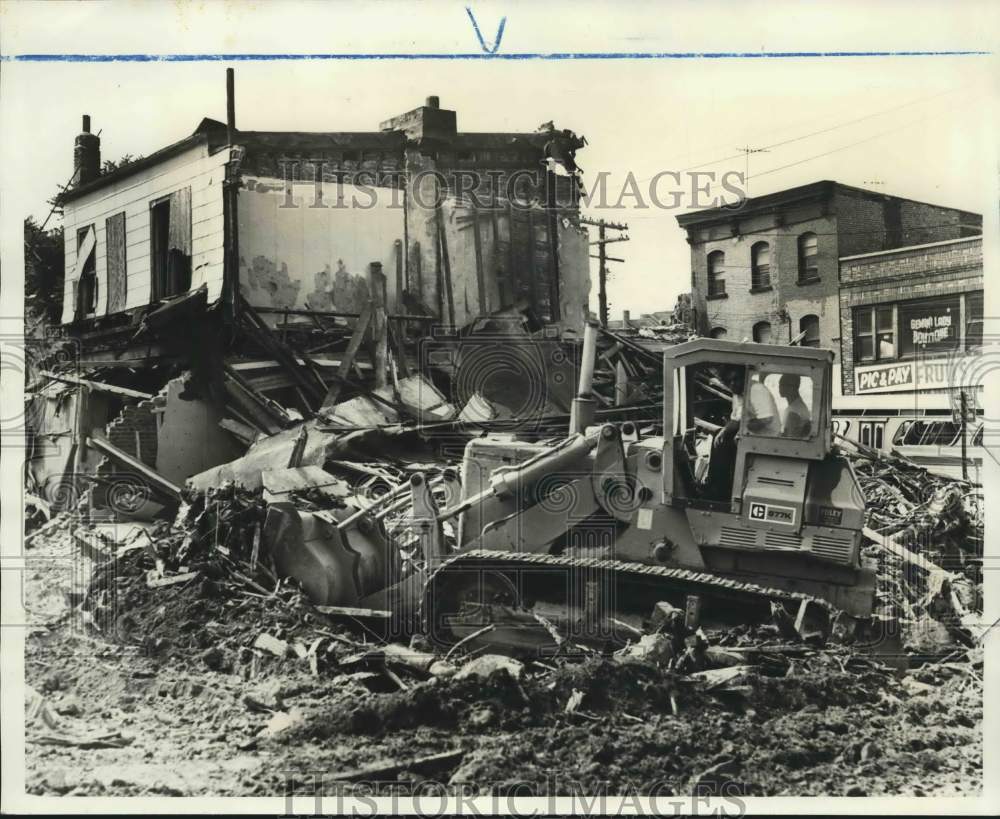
86,155
429,120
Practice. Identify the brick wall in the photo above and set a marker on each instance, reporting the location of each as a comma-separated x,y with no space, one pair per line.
912,273
846,221
741,309
134,431
872,222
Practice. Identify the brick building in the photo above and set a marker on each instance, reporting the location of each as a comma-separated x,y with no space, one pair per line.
769,269
910,316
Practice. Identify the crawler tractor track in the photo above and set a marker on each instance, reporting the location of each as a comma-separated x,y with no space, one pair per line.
581,593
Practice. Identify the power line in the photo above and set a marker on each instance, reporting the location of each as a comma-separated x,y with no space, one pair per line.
858,142
828,129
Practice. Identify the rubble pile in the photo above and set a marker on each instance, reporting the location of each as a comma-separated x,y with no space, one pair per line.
751,709
907,500
628,370
926,532
301,579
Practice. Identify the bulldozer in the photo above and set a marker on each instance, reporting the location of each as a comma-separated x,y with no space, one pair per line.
737,503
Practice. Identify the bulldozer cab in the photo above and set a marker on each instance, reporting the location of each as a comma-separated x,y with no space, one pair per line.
739,413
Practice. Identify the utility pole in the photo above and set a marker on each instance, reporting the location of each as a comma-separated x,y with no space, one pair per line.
602,256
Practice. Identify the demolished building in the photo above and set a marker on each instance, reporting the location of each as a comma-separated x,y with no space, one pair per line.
219,289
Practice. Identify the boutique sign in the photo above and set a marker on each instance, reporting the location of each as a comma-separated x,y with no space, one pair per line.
929,326
930,329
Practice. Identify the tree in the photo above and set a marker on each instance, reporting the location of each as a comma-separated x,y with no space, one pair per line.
110,167
44,273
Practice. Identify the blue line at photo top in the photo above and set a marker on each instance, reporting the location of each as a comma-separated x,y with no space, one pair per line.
568,55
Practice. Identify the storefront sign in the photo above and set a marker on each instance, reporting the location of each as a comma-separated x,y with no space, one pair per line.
930,329
907,376
929,326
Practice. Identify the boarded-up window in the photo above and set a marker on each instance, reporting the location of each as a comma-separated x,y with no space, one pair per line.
170,242
114,232
85,275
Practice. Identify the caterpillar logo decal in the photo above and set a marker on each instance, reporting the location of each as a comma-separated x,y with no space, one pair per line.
769,513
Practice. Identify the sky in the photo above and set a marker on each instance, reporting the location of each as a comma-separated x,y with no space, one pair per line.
919,127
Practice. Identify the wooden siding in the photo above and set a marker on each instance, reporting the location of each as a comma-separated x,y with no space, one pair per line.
194,169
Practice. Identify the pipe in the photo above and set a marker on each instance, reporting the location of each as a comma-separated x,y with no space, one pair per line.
584,406
586,384
230,106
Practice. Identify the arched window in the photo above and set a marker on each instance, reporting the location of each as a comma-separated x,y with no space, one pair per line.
716,273
810,326
718,332
762,332
808,258
760,266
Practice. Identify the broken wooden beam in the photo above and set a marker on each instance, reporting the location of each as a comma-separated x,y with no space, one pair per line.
261,332
245,433
98,386
256,407
155,478
383,771
354,611
340,377
445,267
396,347
338,314
914,559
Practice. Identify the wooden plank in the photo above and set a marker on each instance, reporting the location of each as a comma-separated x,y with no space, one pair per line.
380,332
271,408
258,329
503,269
388,771
417,280
480,273
339,314
396,346
244,432
155,478
96,385
172,580
254,412
449,298
115,270
348,359
553,227
400,285
352,611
